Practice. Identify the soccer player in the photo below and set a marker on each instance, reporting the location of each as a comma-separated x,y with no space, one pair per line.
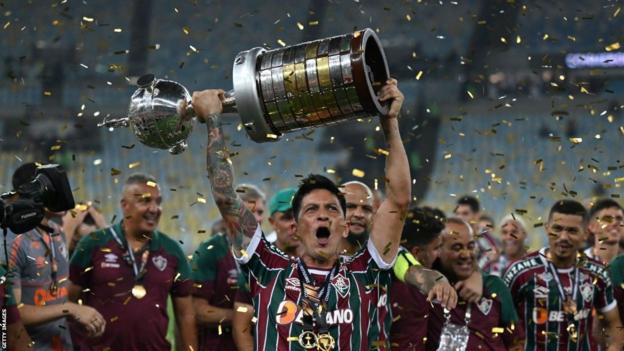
360,210
514,234
320,300
127,272
606,225
38,270
215,277
556,288
468,209
421,244
283,223
490,323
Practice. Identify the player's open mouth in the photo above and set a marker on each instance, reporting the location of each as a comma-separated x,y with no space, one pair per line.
322,234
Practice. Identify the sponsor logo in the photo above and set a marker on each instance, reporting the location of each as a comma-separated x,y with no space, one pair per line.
293,284
341,284
110,261
286,312
542,315
540,292
160,262
485,305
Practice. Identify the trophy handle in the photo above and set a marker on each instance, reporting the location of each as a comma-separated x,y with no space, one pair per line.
229,102
115,123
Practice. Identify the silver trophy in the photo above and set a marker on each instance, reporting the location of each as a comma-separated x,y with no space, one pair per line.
311,84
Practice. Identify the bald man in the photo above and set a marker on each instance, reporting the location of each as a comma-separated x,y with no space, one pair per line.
360,211
127,272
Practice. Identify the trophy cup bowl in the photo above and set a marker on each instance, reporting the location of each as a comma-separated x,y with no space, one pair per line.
311,84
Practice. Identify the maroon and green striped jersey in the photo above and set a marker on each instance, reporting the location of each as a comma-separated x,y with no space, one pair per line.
215,276
538,300
7,300
356,292
493,324
102,267
616,272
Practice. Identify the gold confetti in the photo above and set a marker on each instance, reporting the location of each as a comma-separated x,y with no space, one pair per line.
241,309
331,171
470,94
382,151
498,330
545,37
576,140
518,39
55,147
313,23
271,136
357,173
619,180
81,207
117,30
6,25
220,331
281,42
87,19
151,184
134,165
503,40
47,93
300,26
193,48
97,162
201,200
617,11
408,17
186,30
448,156
419,75
613,47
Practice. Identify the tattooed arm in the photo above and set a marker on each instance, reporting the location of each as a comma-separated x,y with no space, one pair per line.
433,284
240,222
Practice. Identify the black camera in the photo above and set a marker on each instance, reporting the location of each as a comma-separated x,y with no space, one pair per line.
23,209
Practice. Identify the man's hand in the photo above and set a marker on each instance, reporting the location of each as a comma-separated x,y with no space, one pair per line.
391,91
89,318
471,289
443,292
207,102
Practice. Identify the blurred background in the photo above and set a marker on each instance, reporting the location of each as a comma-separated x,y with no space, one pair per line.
517,103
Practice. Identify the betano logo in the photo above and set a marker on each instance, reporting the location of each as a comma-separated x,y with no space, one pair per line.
288,312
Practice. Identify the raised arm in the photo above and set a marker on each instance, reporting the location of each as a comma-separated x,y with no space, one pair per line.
240,222
388,222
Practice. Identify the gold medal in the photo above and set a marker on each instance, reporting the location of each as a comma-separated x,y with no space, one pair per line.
572,332
308,340
325,342
139,291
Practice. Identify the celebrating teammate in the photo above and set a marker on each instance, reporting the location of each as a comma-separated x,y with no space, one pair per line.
556,288
319,300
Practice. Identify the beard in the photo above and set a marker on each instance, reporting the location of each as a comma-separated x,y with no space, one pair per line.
358,240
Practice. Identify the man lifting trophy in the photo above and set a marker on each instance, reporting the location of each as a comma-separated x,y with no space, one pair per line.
275,91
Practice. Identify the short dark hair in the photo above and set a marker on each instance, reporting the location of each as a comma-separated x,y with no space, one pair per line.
313,182
569,207
24,174
422,226
470,201
601,204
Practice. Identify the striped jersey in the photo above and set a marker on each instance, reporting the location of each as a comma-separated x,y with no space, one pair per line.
616,272
538,302
356,291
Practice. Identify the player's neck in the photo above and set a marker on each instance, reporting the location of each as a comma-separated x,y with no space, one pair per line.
135,238
517,255
561,262
318,263
605,253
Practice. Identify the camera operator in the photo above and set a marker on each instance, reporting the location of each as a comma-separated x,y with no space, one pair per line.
39,271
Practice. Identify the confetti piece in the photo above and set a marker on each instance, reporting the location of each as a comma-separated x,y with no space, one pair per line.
498,330
151,184
281,42
619,180
300,26
134,165
271,136
186,30
97,162
518,39
357,173
201,200
613,47
576,140
242,309
330,171
193,48
419,75
408,17
448,156
88,19
470,94
117,30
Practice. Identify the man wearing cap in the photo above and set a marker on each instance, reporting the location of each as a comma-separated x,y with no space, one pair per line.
283,222
127,272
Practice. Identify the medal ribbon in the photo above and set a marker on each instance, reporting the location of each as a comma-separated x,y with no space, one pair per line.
564,296
318,303
139,272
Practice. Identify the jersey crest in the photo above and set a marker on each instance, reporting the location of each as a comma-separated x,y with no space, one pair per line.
341,284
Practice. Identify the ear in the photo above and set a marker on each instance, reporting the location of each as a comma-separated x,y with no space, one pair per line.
346,230
271,221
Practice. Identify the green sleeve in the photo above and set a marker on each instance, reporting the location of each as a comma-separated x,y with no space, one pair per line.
206,257
495,285
616,270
